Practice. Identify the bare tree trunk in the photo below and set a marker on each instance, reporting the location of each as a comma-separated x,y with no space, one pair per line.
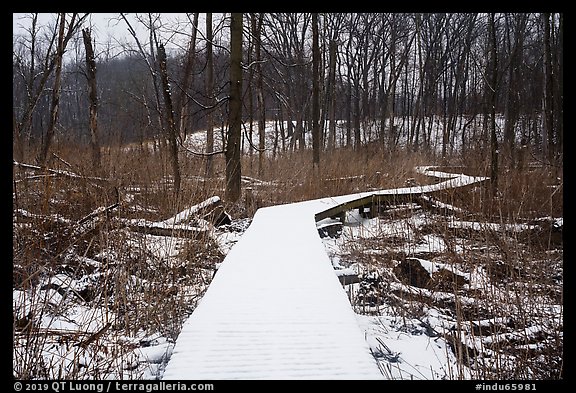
93,97
55,102
548,89
356,121
560,95
392,93
65,33
20,128
209,95
383,99
250,91
512,104
171,131
465,82
315,93
260,88
418,110
233,167
183,103
332,97
493,94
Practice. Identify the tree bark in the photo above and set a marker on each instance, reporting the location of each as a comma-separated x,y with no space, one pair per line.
512,101
493,88
183,105
232,155
171,131
548,90
55,101
209,95
315,93
560,80
260,88
332,97
93,97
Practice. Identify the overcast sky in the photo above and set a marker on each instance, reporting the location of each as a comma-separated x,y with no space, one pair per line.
103,25
109,28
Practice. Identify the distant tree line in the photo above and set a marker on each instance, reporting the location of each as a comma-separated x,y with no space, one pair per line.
355,77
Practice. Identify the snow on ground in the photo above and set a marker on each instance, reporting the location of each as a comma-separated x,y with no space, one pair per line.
405,351
402,346
410,339
197,140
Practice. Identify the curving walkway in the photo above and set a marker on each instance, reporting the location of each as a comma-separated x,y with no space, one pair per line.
275,309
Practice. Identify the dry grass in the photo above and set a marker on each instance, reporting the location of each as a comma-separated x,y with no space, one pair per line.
293,177
506,325
131,292
115,288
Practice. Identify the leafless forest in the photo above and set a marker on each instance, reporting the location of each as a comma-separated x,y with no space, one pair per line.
288,107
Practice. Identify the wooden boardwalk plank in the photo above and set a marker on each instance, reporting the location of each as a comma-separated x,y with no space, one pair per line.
256,322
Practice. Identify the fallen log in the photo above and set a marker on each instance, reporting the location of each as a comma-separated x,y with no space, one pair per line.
57,173
210,210
435,205
194,222
161,229
22,215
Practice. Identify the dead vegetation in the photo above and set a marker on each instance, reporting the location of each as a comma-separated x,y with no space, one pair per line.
94,297
495,283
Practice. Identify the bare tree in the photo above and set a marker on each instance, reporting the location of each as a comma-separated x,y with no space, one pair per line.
156,62
255,86
65,33
150,60
209,95
398,48
560,85
315,93
183,106
287,35
257,33
250,42
395,71
492,91
468,23
548,131
170,118
354,66
29,74
232,155
458,44
333,31
515,25
93,99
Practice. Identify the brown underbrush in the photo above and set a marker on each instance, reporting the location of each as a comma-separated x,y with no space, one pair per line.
91,294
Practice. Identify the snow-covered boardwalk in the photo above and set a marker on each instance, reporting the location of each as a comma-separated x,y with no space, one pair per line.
276,309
